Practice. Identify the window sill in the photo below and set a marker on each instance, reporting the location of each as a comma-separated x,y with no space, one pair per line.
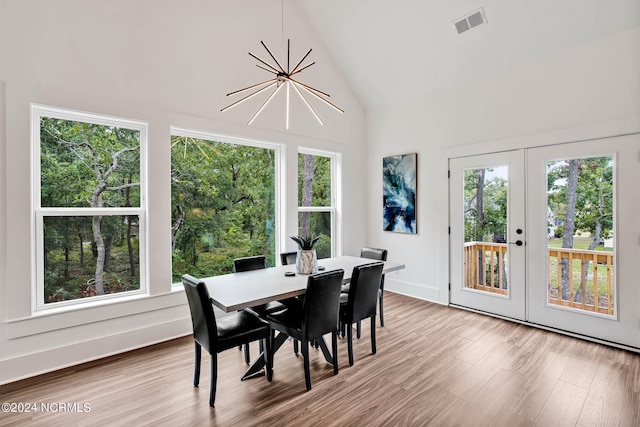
93,312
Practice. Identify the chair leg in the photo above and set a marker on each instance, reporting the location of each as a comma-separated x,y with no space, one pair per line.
350,343
305,354
334,350
373,334
247,356
267,356
272,344
358,329
214,378
196,374
381,311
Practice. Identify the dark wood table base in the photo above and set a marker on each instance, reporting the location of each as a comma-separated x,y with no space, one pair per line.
281,338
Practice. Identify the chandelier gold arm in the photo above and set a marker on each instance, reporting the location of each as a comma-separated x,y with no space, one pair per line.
275,81
273,57
250,87
312,92
303,68
297,65
265,63
318,92
266,69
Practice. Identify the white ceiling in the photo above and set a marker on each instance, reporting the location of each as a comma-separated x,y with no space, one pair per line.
392,51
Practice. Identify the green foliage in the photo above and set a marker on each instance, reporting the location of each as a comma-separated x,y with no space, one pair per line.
594,195
226,194
87,165
305,243
494,196
323,247
321,179
72,153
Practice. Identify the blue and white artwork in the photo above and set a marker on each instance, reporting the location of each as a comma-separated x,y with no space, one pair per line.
399,193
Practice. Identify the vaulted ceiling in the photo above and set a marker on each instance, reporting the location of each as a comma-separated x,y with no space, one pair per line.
392,51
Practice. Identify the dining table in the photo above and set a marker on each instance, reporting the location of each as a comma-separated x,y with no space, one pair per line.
236,291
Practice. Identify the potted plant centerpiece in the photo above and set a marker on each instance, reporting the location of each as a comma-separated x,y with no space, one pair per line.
306,260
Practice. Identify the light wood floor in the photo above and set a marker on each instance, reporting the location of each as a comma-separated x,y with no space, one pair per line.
435,366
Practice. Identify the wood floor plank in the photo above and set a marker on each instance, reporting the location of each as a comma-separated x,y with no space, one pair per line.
435,365
610,401
563,406
508,419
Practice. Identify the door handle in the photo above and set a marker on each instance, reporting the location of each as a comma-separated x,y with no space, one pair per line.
517,243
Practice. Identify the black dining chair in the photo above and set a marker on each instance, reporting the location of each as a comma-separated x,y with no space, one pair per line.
288,258
360,302
251,263
380,255
317,316
216,336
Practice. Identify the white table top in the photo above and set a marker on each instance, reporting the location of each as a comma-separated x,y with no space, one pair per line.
235,291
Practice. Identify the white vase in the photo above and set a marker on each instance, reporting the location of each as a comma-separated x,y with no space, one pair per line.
306,261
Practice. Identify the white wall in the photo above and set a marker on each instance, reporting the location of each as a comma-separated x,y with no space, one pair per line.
586,92
167,63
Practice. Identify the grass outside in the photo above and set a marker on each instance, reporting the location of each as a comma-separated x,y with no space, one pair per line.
579,242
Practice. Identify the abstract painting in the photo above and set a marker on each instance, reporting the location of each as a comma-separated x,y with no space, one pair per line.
399,193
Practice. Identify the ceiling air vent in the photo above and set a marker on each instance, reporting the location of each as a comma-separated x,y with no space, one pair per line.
470,20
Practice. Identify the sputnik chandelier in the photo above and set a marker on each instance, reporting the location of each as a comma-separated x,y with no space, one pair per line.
283,78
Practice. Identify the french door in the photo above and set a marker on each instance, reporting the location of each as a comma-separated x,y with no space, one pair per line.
575,209
488,233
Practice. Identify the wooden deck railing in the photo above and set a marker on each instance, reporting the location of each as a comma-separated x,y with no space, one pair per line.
486,267
590,273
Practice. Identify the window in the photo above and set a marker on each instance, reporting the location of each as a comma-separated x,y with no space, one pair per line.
89,206
317,199
224,202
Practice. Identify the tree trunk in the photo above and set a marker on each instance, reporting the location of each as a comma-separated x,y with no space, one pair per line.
568,227
66,261
81,250
176,226
132,266
97,236
585,267
480,223
307,194
108,244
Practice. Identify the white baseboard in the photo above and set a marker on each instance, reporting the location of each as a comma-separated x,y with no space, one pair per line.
30,365
412,290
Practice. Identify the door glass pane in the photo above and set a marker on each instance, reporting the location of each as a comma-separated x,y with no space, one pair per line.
485,229
580,234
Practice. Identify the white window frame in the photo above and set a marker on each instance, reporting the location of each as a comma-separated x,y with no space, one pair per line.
334,208
39,212
278,172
